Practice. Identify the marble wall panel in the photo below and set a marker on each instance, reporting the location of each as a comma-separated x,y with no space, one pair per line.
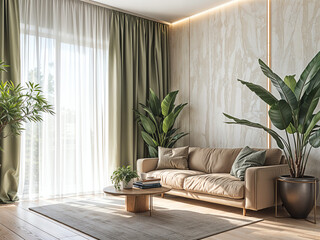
179,75
237,39
199,81
295,41
223,45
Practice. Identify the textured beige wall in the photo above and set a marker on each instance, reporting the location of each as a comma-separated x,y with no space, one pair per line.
208,53
295,41
179,58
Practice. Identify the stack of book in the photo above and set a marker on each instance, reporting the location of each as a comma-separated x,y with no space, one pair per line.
150,183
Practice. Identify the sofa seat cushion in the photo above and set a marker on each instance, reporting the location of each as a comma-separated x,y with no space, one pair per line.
173,178
218,184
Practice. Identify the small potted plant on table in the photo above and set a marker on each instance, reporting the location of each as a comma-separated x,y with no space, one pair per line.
123,177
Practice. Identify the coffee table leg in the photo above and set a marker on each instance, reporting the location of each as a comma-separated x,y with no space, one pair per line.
138,203
151,204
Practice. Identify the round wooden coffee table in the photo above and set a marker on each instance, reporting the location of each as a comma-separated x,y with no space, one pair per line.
137,200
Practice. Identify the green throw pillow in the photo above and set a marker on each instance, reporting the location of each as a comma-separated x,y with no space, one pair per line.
247,158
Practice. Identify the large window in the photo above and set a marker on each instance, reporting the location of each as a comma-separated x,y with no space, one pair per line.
64,48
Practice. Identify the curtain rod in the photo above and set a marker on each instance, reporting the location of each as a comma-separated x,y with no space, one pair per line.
123,11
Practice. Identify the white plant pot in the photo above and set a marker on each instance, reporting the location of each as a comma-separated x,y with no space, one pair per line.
128,185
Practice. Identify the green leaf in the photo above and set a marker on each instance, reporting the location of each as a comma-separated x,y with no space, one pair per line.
308,103
176,138
312,124
291,129
179,135
314,83
244,122
153,152
171,132
3,66
148,110
147,124
290,81
178,109
285,92
264,94
168,122
280,114
148,139
154,103
168,103
307,75
314,139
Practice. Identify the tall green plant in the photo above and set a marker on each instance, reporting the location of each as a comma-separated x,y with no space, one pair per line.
20,104
157,125
294,113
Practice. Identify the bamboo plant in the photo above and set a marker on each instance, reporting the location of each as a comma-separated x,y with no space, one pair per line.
20,104
157,125
294,113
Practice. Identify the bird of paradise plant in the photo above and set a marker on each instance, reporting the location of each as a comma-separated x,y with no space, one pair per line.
157,126
294,113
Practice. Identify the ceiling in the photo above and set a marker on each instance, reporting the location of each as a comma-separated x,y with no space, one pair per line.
164,10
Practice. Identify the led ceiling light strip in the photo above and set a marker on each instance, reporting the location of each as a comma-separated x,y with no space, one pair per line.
207,11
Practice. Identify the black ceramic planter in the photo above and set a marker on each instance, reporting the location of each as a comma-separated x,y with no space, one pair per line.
298,194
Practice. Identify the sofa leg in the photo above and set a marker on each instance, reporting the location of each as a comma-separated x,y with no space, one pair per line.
244,211
162,195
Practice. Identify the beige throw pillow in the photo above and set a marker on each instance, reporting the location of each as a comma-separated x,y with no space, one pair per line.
176,158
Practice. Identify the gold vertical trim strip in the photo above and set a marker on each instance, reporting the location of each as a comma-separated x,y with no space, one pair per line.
269,63
189,25
315,202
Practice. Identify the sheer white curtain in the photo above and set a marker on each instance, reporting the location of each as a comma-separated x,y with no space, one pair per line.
64,48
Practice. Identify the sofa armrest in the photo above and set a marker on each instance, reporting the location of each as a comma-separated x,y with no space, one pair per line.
260,185
146,164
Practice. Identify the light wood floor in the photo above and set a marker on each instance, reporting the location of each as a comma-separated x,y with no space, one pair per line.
17,222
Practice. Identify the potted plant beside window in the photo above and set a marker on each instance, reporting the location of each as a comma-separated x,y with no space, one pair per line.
123,177
20,104
295,114
157,120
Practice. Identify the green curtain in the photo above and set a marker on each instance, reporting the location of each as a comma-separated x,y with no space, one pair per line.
10,53
138,60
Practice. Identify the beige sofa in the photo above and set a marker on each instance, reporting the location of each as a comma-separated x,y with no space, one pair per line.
208,178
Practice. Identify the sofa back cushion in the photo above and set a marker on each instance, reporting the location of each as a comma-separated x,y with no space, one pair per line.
247,158
176,158
273,156
212,160
220,160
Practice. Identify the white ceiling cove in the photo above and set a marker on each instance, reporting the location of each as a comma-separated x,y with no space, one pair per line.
164,10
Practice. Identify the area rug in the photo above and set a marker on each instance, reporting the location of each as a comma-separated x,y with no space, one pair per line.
106,218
